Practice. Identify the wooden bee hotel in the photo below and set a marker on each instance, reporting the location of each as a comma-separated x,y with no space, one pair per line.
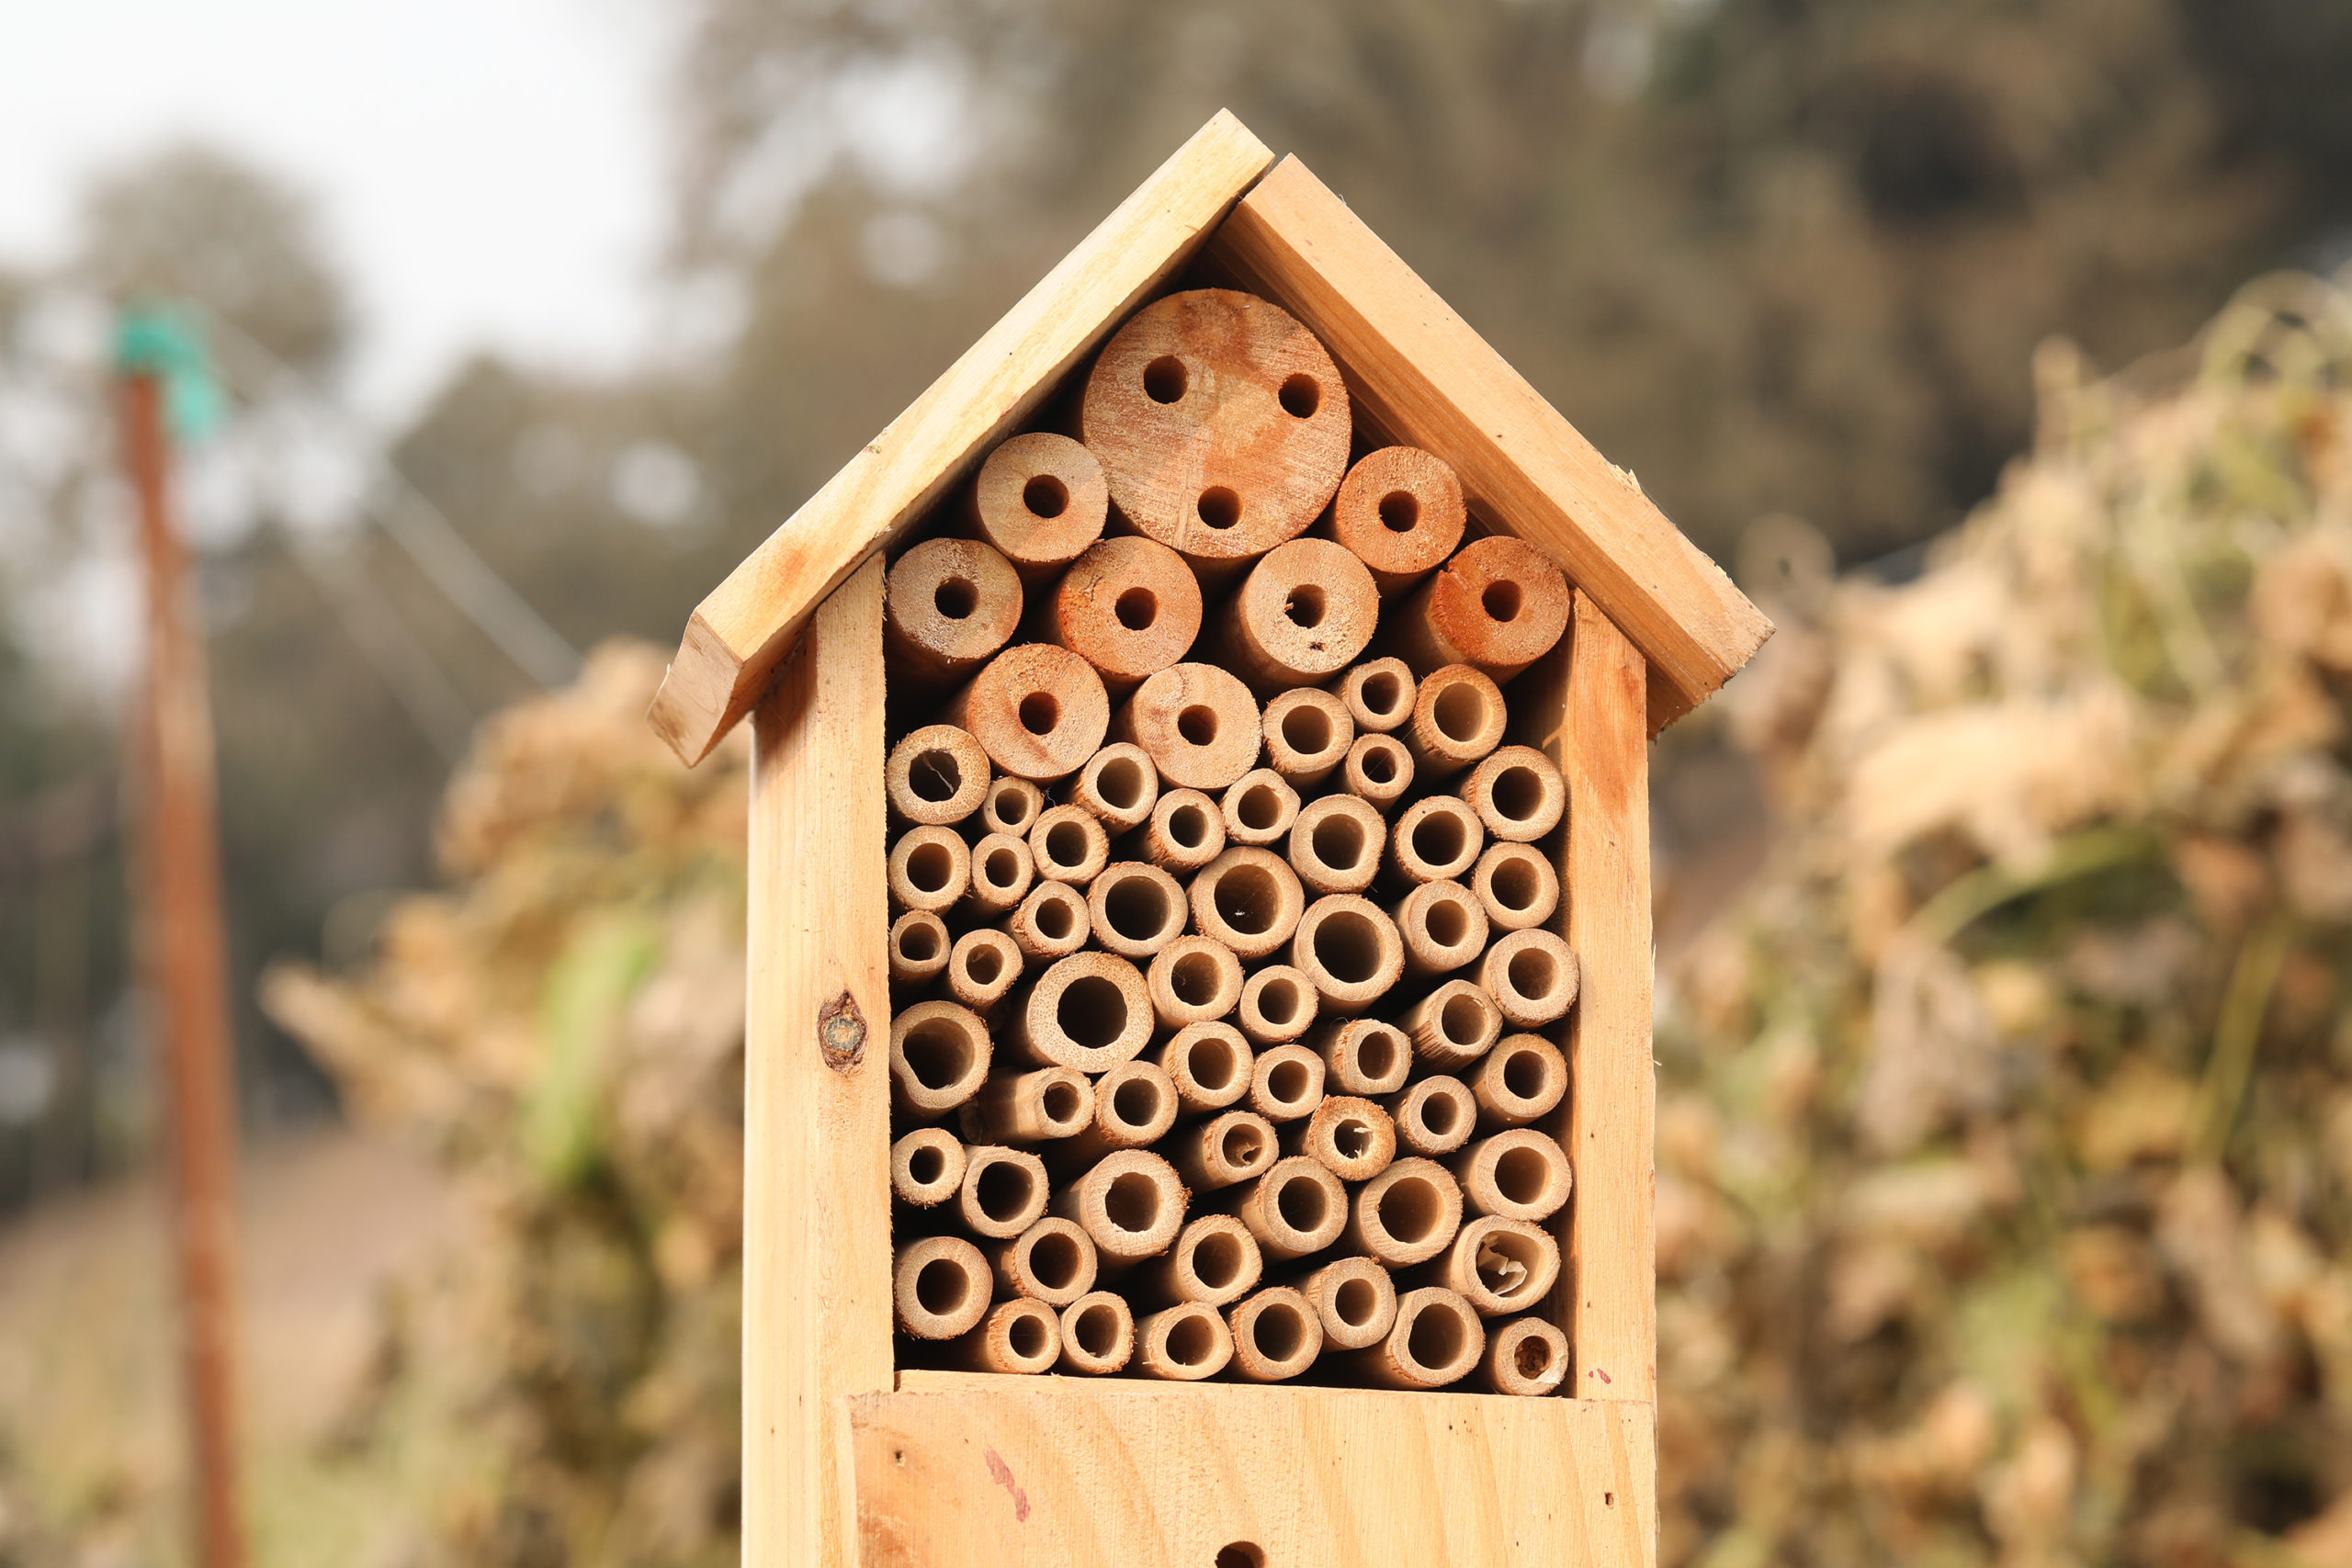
1199,1097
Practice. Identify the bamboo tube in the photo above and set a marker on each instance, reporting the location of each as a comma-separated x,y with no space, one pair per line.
1003,869
1356,1301
1350,1137
1500,604
926,1167
1307,735
1184,1343
1030,1106
1134,1104
939,1287
1516,793
1020,1336
1137,910
929,870
918,948
1259,808
1516,887
1522,1174
1038,711
1277,1006
1406,1215
1209,1063
1277,1334
982,967
1531,974
1052,1261
939,1057
1051,924
1436,1341
1437,839
1379,770
935,776
1296,1208
1131,1205
1362,1055
1117,787
1129,606
1089,1011
1225,1149
1068,845
1011,805
947,606
1040,499
1198,723
1526,1357
1306,609
1336,843
1248,900
1458,717
1214,1261
1186,831
1524,1077
1434,1117
1194,979
1498,1266
1400,511
1452,1026
1349,951
1097,1334
1285,1082
1378,694
1443,927
1003,1193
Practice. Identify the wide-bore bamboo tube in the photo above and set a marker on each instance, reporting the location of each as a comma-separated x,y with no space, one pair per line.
1097,1334
1400,511
1434,1116
1522,1174
947,606
1437,839
1285,1082
1452,1026
1443,927
1209,1063
1131,1204
1038,711
1277,1334
1296,1208
939,1286
1533,976
1307,735
1214,1261
1184,1343
926,1167
1356,1300
1020,1336
1500,604
1259,808
1198,723
1003,869
936,775
1039,499
1134,1104
1378,694
1011,805
1379,770
1248,900
929,869
1458,717
1335,844
1117,787
1030,1106
1089,1011
1524,1077
1516,887
1004,1193
1436,1341
1053,1261
1349,951
1353,1138
1498,1266
1516,793
1129,606
1051,924
1406,1215
1527,1357
1225,1149
1277,1006
939,1057
918,947
1137,910
1305,612
1194,979
982,967
1186,831
1361,1056
1068,845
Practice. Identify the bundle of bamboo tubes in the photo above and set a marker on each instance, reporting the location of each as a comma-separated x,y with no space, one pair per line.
1226,992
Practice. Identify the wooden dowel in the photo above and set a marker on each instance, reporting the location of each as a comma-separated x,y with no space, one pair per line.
1131,1204
1307,735
1526,1356
1097,1334
1516,793
1051,924
1498,1266
939,1287
1524,1079
1278,1005
1361,1056
1038,711
1335,846
1259,808
930,869
1225,1149
1533,976
1129,606
1053,1261
1378,694
1117,787
1302,615
1349,951
1194,979
1030,1106
1277,1335
1379,770
947,606
918,948
1040,499
1285,1082
1435,1342
1003,869
1406,1215
1458,717
1400,511
1452,1026
1214,1261
981,969
926,1167
939,1057
1443,927
1004,1193
1209,1063
1520,1174
1296,1208
1434,1117
1351,1137
1068,845
1138,910
1184,1343
1437,839
1134,1105
1010,805
1089,1011
1500,604
1516,887
1248,900
1356,1300
1020,1337
1198,723
936,775
1186,831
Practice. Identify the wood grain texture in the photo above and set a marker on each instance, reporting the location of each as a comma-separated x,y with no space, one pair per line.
1418,374
816,1083
747,623
966,1471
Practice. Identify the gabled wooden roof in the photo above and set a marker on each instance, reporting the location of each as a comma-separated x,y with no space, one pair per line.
1416,374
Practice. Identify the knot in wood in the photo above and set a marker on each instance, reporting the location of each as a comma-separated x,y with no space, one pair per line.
840,1033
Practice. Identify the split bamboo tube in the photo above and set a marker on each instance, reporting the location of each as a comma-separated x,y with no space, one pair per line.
1003,869
1259,808
1499,1266
1209,1063
1499,603
1400,510
1137,910
1379,768
1089,1011
1452,1026
1004,1193
1097,1334
1186,831
929,869
1336,843
1302,615
1216,1262
1131,1205
1437,839
1516,885
1068,845
1443,927
1276,1335
1134,1104
1296,1208
1194,979
1362,1055
1248,900
1038,711
939,1286
1520,1174
1129,606
1434,1117
1406,1215
1458,717
1184,1343
1349,951
982,967
1223,1150
926,1167
1020,1337
936,775
1031,1107
1285,1082
1308,736
1351,1137
918,948
1356,1300
1011,805
1526,1356
1533,976
1378,694
1040,499
1198,723
1516,793
1277,1006
1436,1341
947,606
1522,1078
1117,787
1051,924
1053,1261
939,1057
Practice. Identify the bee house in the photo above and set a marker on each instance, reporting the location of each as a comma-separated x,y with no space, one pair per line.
1199,1099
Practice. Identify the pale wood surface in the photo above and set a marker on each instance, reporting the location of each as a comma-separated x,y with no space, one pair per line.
1418,374
738,633
959,1470
816,1085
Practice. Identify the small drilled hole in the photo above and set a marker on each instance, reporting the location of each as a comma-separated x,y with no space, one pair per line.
941,1286
1305,607
1191,1341
1501,600
1399,512
1059,1102
1003,1189
1164,379
1131,1204
1356,1302
1522,1175
925,1165
1136,609
1218,1259
1093,1012
934,775
1303,1205
1219,507
956,597
1026,1337
1197,725
1239,1555
1040,711
1307,730
1460,712
1045,496
1055,1260
1301,396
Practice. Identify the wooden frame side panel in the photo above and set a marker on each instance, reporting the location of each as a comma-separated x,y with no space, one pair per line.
816,1083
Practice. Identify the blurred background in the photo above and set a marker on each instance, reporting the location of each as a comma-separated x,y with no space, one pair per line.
2002,350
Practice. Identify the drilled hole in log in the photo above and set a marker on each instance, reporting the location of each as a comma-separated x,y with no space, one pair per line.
1305,606
1300,397
1502,600
1197,725
956,597
1219,507
1136,609
1164,379
1045,496
1040,711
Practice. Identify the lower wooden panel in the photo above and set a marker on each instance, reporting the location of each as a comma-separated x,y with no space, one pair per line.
957,1470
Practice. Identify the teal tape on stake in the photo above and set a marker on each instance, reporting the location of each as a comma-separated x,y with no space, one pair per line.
168,344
